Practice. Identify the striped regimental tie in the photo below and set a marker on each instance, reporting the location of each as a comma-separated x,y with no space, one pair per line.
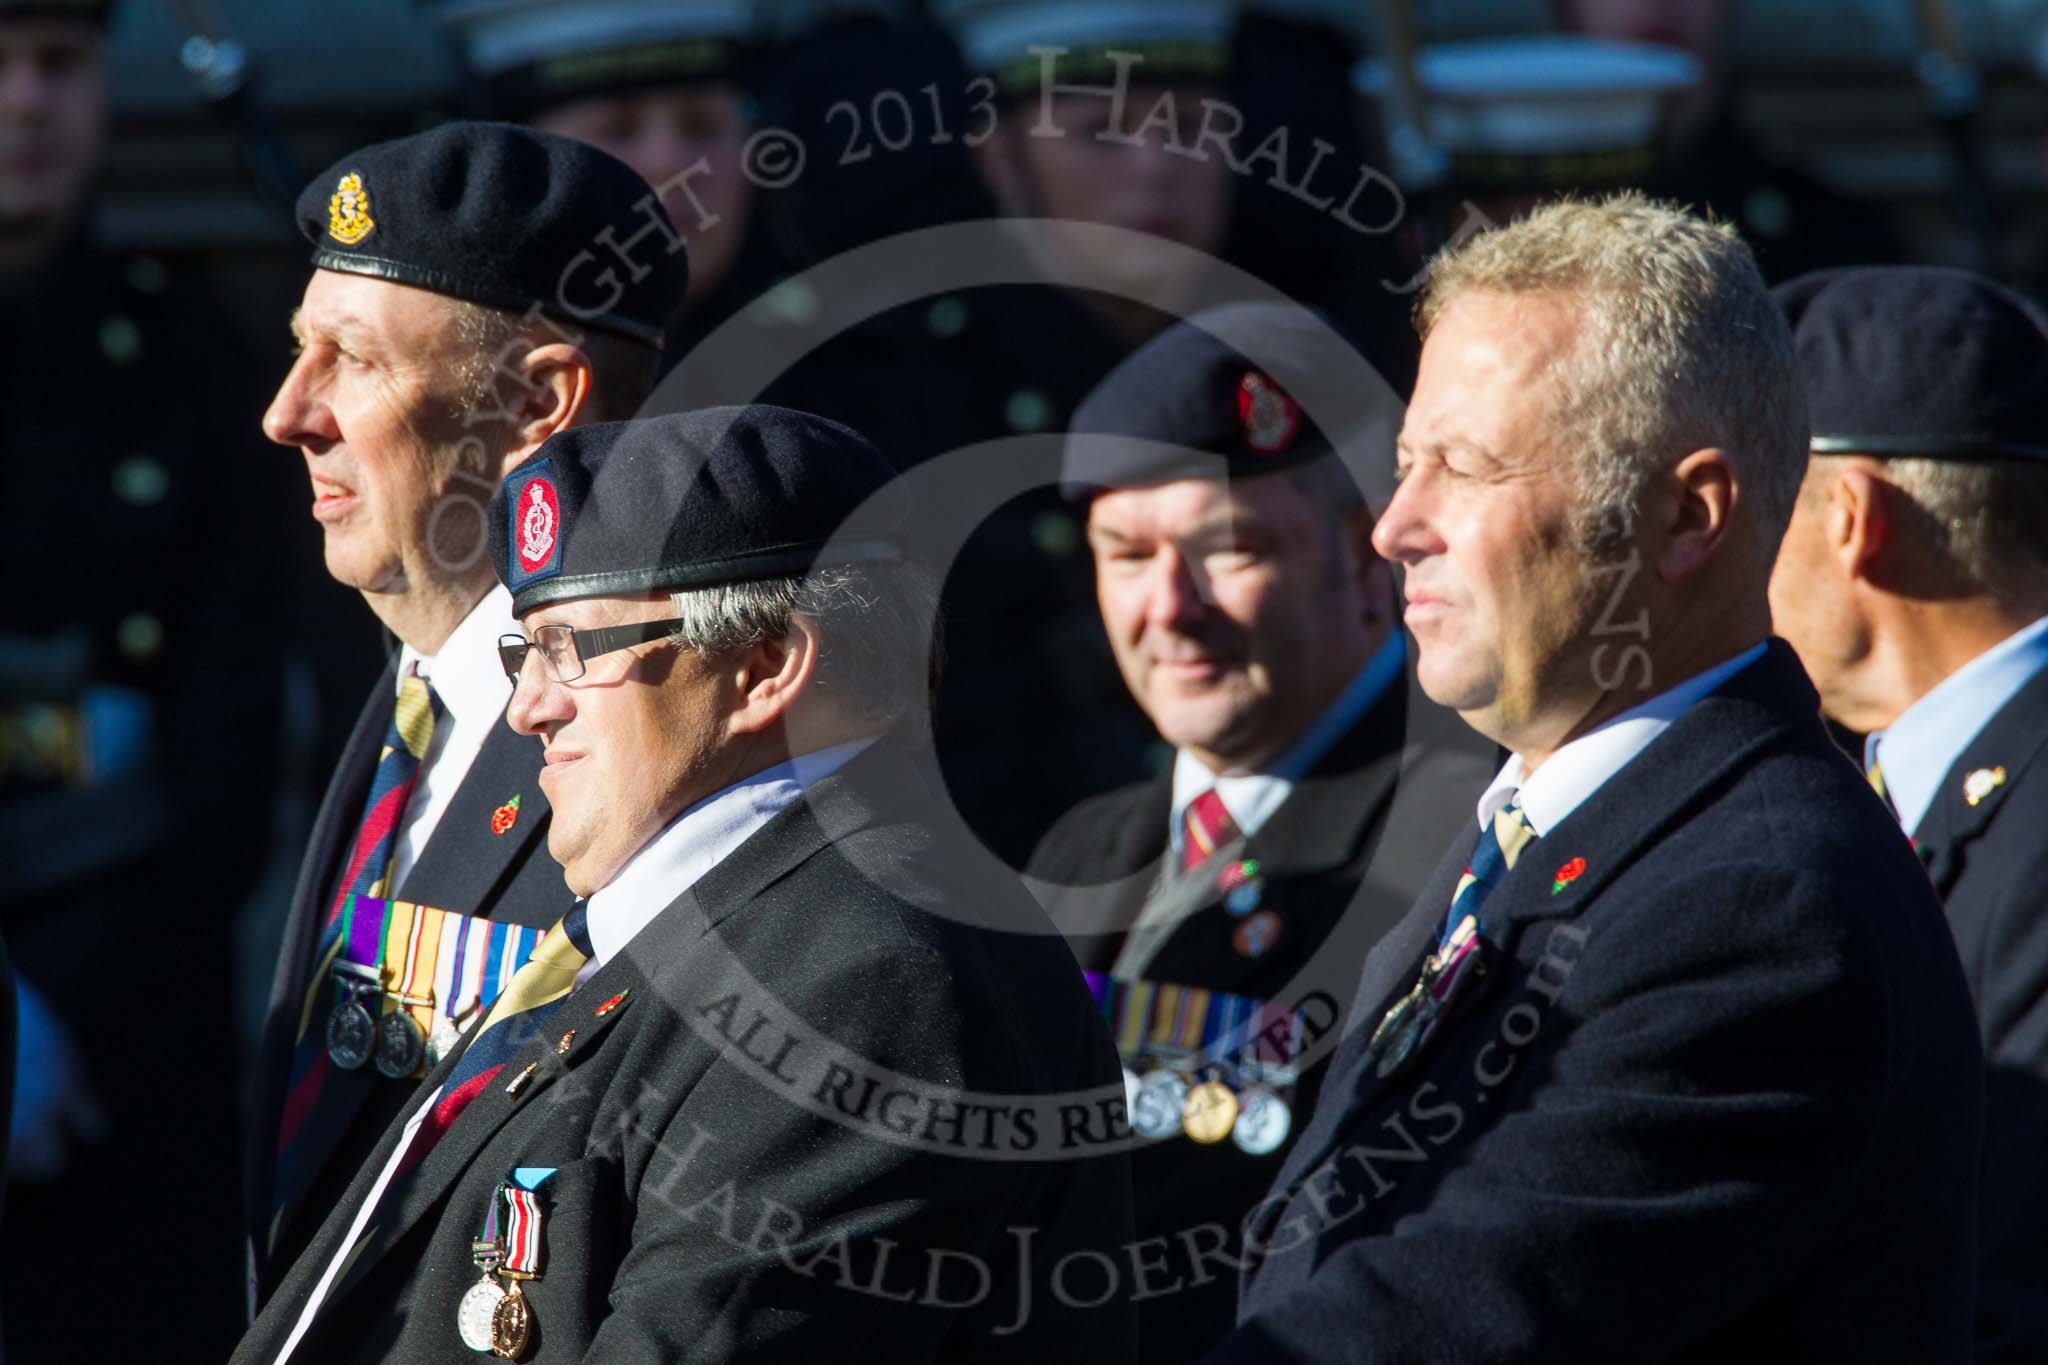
1207,827
320,1098
1501,843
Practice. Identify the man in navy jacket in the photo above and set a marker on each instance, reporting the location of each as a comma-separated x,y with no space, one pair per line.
1913,581
1674,1060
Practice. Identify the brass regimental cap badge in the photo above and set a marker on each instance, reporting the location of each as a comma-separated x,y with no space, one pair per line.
348,211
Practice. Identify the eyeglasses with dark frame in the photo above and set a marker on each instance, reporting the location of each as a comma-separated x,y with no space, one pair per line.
565,650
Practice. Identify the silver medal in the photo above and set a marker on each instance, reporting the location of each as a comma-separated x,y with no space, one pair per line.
1162,1097
1263,1122
477,1311
399,1045
1130,1091
351,1034
442,1041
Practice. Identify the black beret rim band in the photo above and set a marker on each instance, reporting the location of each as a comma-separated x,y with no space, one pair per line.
778,562
441,282
1928,447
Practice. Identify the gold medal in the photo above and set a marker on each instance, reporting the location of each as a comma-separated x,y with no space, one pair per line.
1210,1112
511,1323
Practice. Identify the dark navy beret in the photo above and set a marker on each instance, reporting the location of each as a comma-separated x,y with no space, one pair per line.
1920,360
691,500
505,216
1189,398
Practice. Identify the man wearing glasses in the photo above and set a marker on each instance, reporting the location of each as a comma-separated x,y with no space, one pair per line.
799,1077
477,289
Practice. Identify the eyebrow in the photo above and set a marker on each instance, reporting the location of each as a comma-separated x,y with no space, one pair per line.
1404,446
346,326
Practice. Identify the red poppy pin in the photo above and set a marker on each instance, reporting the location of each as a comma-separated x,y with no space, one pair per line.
1568,874
505,816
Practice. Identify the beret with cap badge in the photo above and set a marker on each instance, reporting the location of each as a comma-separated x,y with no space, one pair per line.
691,500
504,216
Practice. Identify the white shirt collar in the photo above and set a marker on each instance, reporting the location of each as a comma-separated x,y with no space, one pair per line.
1931,734
695,842
465,671
1251,798
1579,769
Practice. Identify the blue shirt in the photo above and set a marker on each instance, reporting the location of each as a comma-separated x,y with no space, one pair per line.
1931,734
1251,798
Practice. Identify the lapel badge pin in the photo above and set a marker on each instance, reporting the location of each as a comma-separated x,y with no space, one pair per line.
1236,874
562,1047
1242,886
1568,874
608,1006
519,1082
1256,936
1982,783
505,816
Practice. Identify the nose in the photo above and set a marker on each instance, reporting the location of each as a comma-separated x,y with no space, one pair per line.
1404,534
1175,592
538,702
298,415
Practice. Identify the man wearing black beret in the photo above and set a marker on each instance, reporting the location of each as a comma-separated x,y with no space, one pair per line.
1252,621
477,288
1913,581
787,1083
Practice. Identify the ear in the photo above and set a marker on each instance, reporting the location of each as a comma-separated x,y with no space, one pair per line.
1702,494
774,674
1858,520
554,386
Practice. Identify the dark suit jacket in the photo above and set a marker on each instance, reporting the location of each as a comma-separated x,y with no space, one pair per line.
1315,852
464,868
1717,1097
723,1193
1989,863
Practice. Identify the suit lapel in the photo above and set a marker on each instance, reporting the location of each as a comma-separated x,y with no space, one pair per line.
1628,814
341,812
2014,739
466,859
874,784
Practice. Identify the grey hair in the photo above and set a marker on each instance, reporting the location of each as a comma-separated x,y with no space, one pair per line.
1682,349
879,629
1984,519
493,341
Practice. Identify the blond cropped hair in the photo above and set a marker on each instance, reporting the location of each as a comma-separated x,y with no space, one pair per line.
1682,349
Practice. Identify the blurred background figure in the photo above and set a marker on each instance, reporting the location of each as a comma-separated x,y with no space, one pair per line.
1624,93
662,87
1792,221
140,681
1255,624
1913,581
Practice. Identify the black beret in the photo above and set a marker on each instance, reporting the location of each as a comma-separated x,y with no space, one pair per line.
691,500
505,216
1918,360
1198,407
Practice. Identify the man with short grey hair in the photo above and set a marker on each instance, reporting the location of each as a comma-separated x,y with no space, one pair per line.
792,1079
1673,1060
1913,581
